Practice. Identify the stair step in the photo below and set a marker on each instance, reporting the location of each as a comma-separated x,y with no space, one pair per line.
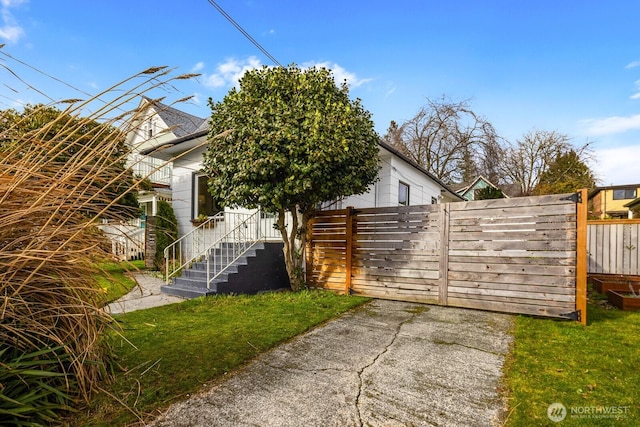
186,292
202,274
193,281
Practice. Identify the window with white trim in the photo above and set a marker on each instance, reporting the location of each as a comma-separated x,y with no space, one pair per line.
403,193
203,202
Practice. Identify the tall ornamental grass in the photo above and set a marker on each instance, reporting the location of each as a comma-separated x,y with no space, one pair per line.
60,175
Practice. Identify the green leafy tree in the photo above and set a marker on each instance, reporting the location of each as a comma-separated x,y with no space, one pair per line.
286,141
69,137
166,231
488,193
566,174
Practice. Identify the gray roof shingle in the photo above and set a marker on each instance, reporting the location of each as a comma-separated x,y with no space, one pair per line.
179,122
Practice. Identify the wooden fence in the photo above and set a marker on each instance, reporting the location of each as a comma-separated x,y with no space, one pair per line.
511,255
613,246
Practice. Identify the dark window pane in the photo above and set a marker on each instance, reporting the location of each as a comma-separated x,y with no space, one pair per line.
624,194
403,194
206,205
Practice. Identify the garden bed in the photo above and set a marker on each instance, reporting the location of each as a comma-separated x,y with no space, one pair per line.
624,300
603,282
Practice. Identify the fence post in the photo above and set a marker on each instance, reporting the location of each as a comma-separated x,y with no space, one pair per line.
349,248
443,290
581,256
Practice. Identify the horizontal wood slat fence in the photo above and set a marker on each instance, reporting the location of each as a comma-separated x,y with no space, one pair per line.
510,255
613,246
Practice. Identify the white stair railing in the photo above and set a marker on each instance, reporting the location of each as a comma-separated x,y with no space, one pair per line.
232,233
186,249
232,246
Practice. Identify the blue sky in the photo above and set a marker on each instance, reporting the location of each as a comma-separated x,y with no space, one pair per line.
565,65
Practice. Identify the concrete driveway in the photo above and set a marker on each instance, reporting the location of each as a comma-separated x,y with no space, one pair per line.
385,364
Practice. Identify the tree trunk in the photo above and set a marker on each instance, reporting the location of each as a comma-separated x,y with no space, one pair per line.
294,241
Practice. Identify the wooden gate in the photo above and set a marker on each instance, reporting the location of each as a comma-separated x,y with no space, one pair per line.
521,255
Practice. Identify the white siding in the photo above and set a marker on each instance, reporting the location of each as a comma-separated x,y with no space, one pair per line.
183,169
384,193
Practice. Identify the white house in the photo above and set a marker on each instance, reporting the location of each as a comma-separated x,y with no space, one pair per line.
169,135
158,124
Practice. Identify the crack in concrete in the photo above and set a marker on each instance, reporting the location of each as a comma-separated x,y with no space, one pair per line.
375,360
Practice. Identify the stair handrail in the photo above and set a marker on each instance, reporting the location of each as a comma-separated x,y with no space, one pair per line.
174,255
233,245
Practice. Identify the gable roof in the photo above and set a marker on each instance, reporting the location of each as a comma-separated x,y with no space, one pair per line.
189,134
463,190
420,168
178,122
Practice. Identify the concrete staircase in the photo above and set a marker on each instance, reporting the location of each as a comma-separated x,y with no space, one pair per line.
259,268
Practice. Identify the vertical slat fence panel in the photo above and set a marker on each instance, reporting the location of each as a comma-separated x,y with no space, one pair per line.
614,246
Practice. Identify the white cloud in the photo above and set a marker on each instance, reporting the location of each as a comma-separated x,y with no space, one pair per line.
339,73
12,3
611,125
196,99
10,30
229,73
617,166
633,64
199,66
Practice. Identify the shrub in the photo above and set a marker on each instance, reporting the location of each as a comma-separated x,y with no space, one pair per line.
166,231
58,177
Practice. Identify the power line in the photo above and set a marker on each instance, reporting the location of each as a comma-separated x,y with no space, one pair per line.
246,34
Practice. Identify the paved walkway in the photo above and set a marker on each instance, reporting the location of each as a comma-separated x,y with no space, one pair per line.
147,294
385,364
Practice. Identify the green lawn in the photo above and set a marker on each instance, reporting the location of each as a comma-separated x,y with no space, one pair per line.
169,352
593,370
114,280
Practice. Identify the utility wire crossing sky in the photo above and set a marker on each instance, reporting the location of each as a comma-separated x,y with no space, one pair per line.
570,66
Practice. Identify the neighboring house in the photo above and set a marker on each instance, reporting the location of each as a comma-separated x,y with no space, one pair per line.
157,125
612,201
470,191
634,208
154,124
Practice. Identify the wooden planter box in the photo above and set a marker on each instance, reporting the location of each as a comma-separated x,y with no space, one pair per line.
617,282
623,300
